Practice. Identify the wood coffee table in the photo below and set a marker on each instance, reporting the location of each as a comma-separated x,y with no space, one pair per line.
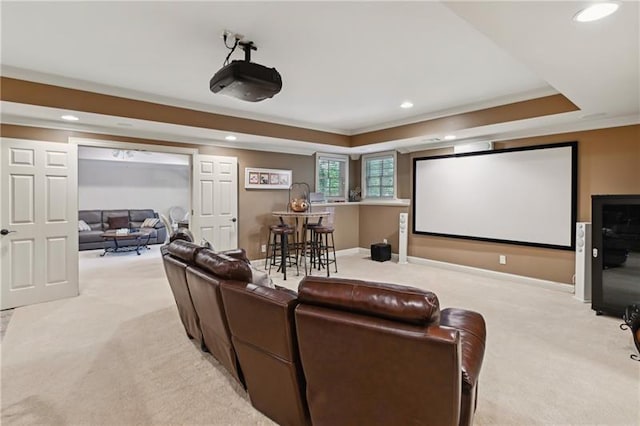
141,238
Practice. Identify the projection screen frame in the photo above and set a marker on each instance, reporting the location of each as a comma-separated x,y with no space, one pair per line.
574,195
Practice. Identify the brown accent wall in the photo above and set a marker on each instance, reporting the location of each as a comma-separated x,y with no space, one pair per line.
32,93
548,105
608,163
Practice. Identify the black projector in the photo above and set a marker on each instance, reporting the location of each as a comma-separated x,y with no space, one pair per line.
247,81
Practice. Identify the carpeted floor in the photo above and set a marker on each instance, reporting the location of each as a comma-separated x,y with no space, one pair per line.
118,354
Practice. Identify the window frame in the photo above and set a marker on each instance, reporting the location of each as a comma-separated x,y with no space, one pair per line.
363,177
339,157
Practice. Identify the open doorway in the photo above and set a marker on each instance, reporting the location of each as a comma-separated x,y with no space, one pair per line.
183,187
141,194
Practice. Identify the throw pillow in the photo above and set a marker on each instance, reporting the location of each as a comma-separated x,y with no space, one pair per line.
150,222
82,226
261,278
117,222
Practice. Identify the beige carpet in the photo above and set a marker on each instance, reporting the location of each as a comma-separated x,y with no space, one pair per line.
117,354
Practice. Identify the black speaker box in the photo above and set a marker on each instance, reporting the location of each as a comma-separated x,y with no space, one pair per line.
381,252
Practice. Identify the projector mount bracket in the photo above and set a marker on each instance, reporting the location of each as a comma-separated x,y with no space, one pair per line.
247,46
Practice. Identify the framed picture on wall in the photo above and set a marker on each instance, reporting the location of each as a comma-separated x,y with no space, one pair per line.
255,178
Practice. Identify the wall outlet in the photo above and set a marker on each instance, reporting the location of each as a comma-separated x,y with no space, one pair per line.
384,240
263,248
503,259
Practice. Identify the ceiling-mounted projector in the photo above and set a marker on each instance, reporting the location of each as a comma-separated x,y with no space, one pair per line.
246,80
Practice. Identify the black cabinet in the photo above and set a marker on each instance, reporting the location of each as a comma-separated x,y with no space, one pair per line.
616,252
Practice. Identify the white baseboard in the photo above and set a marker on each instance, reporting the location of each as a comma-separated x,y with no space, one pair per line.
553,285
520,279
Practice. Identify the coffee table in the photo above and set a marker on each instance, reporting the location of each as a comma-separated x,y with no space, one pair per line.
141,238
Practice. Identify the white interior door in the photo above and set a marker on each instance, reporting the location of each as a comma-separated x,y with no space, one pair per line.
215,213
38,190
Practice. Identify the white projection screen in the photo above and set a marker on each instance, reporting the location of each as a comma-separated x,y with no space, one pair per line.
523,196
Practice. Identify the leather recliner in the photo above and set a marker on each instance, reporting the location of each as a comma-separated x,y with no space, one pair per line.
382,354
263,331
204,278
176,257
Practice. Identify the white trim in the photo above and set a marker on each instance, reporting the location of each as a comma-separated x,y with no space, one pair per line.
340,157
129,145
363,174
400,202
520,279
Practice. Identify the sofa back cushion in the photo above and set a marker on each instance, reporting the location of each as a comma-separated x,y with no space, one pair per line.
184,250
223,266
108,214
136,217
395,302
93,218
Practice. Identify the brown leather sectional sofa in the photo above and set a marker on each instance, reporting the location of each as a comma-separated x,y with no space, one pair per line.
338,352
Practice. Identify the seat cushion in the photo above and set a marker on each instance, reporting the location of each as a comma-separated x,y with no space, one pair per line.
90,236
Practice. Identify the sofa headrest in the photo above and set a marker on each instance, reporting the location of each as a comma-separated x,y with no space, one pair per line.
238,253
223,266
181,234
184,250
389,301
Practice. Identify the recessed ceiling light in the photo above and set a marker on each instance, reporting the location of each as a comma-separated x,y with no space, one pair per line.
230,138
406,105
596,11
69,117
449,137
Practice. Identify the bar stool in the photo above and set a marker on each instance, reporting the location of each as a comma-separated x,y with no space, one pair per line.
281,242
270,244
323,247
308,249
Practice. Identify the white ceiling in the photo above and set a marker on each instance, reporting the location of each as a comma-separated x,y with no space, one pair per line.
346,66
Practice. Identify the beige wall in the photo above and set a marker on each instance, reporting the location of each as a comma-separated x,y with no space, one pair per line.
378,223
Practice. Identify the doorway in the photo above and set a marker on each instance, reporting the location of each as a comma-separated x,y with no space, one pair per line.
39,194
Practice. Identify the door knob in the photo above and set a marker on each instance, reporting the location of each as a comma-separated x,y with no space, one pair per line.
233,219
5,231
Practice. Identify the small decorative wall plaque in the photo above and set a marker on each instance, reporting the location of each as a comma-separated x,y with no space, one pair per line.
255,178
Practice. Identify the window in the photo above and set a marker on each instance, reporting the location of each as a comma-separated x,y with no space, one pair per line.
379,175
332,172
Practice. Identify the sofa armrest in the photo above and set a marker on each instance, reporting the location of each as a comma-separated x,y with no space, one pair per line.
472,329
